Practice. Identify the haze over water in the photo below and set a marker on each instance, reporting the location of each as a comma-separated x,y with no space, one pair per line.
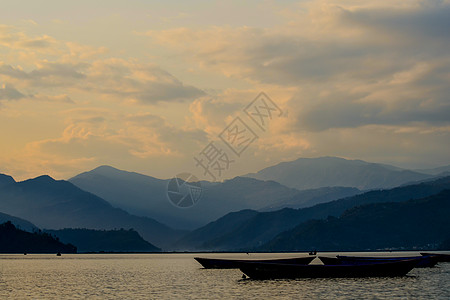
179,276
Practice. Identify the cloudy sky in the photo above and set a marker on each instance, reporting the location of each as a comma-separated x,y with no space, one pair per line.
145,86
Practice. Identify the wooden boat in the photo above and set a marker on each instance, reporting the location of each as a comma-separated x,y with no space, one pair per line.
258,270
427,261
440,257
215,263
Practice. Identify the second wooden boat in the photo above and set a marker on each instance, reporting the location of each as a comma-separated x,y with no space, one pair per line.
440,257
256,270
427,261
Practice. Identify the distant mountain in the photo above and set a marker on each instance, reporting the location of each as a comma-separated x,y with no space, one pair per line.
89,240
414,224
134,192
260,228
6,180
147,196
311,173
13,240
60,204
214,230
18,222
308,198
435,171
236,231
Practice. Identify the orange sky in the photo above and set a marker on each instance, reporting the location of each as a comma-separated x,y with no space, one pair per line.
146,85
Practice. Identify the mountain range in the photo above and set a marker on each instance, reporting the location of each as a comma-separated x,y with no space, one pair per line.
243,213
444,170
297,184
310,173
147,196
18,222
246,230
413,224
52,204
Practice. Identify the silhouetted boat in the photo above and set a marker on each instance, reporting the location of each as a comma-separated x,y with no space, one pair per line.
259,270
423,261
440,257
215,263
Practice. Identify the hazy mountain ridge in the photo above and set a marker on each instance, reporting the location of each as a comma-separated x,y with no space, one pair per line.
125,184
59,204
331,178
435,171
90,240
310,173
147,196
259,229
213,230
422,224
311,197
19,223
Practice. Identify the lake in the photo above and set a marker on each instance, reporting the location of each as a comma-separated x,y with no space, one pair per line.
179,276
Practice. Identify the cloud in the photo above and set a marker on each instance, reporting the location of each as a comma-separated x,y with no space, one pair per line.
41,42
77,52
8,92
144,83
409,146
124,80
358,71
94,136
425,19
419,94
60,70
12,38
358,79
212,113
353,64
45,62
171,140
12,72
47,73
62,98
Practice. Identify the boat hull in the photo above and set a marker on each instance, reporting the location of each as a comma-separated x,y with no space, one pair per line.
283,271
439,257
213,263
423,261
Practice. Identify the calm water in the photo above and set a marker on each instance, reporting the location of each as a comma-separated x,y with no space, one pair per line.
178,276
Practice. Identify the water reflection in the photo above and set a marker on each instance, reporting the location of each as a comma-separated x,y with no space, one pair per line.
179,276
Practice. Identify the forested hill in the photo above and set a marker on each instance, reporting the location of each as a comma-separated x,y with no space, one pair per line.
414,224
13,240
89,240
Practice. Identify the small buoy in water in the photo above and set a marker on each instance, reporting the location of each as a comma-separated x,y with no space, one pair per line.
243,276
58,254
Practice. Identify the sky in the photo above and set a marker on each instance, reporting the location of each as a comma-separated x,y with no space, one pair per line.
155,86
